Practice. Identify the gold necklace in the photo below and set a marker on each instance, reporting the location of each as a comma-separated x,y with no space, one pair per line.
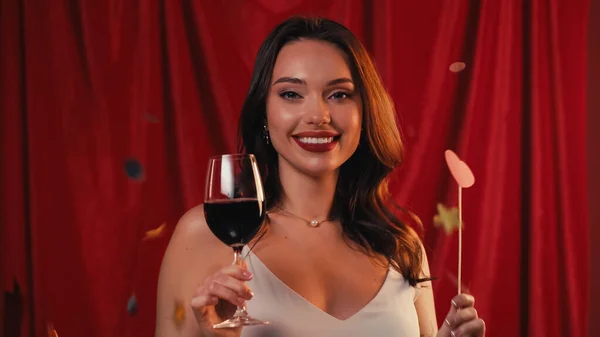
312,223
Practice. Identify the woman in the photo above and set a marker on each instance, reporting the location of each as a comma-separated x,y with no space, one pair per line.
333,260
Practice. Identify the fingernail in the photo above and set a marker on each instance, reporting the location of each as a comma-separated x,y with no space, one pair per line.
247,274
447,322
454,304
453,333
251,293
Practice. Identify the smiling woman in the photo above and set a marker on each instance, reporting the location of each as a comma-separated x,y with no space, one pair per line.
334,260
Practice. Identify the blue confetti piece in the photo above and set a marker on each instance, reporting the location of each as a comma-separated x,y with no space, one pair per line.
132,305
134,169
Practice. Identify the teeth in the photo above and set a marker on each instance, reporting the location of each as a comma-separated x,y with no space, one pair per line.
315,140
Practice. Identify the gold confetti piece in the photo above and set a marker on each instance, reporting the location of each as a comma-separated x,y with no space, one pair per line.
155,233
51,331
457,67
446,218
179,314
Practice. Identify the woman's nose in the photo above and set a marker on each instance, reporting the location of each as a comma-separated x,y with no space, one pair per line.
318,113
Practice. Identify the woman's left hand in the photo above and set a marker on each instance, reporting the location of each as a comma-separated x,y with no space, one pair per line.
462,319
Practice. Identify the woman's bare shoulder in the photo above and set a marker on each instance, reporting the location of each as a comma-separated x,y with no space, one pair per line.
193,239
192,225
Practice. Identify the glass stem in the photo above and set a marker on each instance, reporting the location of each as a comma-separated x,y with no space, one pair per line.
240,311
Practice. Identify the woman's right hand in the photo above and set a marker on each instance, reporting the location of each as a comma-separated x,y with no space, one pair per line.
217,298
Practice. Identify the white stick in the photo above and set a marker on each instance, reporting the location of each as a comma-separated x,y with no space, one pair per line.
459,239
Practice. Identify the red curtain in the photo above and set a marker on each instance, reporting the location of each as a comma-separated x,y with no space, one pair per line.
86,87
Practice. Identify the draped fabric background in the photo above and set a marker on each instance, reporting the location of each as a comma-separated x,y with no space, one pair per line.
593,147
86,86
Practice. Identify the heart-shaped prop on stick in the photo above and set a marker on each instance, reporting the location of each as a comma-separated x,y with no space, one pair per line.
460,170
464,178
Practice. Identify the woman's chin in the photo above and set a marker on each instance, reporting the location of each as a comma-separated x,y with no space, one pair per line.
321,169
314,166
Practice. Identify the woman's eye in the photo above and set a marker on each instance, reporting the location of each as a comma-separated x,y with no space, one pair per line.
340,95
289,95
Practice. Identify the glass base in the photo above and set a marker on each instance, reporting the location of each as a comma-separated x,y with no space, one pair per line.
238,322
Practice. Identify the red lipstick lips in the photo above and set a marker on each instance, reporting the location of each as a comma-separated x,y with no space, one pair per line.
317,141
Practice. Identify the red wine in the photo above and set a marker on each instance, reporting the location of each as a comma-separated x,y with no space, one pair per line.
234,221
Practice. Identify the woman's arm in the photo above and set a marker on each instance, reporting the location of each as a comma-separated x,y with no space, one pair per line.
192,254
424,302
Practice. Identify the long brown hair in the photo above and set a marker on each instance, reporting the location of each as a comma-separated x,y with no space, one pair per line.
362,201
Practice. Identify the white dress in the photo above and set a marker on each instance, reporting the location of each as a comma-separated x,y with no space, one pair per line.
391,313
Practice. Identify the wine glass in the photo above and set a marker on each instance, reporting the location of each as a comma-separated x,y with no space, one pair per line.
234,208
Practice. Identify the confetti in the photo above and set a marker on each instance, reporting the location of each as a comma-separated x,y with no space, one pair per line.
457,67
447,218
51,331
132,305
155,233
179,315
134,169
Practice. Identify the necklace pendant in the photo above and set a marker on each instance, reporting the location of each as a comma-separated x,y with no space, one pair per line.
314,223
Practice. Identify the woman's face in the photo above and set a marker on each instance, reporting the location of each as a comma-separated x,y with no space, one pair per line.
314,110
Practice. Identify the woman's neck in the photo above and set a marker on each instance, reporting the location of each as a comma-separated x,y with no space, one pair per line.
308,197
